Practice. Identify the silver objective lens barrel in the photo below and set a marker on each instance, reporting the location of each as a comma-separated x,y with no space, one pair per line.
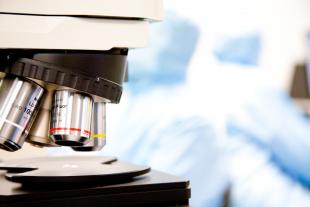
18,106
38,135
98,128
71,118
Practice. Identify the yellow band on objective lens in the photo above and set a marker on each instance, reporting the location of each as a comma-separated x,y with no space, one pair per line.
98,135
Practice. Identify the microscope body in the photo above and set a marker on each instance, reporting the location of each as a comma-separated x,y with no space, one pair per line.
61,62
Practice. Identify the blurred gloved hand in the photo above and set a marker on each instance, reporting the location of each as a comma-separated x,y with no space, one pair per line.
278,164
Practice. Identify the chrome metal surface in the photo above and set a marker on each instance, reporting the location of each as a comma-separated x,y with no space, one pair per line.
98,129
71,118
38,135
19,99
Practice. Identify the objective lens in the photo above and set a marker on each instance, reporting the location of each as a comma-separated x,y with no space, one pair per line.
18,107
38,135
98,126
71,118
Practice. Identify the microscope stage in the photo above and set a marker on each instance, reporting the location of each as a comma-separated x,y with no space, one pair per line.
115,183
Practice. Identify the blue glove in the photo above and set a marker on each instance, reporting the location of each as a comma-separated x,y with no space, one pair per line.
274,123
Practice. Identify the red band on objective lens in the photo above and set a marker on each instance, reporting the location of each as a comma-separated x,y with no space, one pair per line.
69,129
87,132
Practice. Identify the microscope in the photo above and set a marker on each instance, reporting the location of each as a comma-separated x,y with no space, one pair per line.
61,63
